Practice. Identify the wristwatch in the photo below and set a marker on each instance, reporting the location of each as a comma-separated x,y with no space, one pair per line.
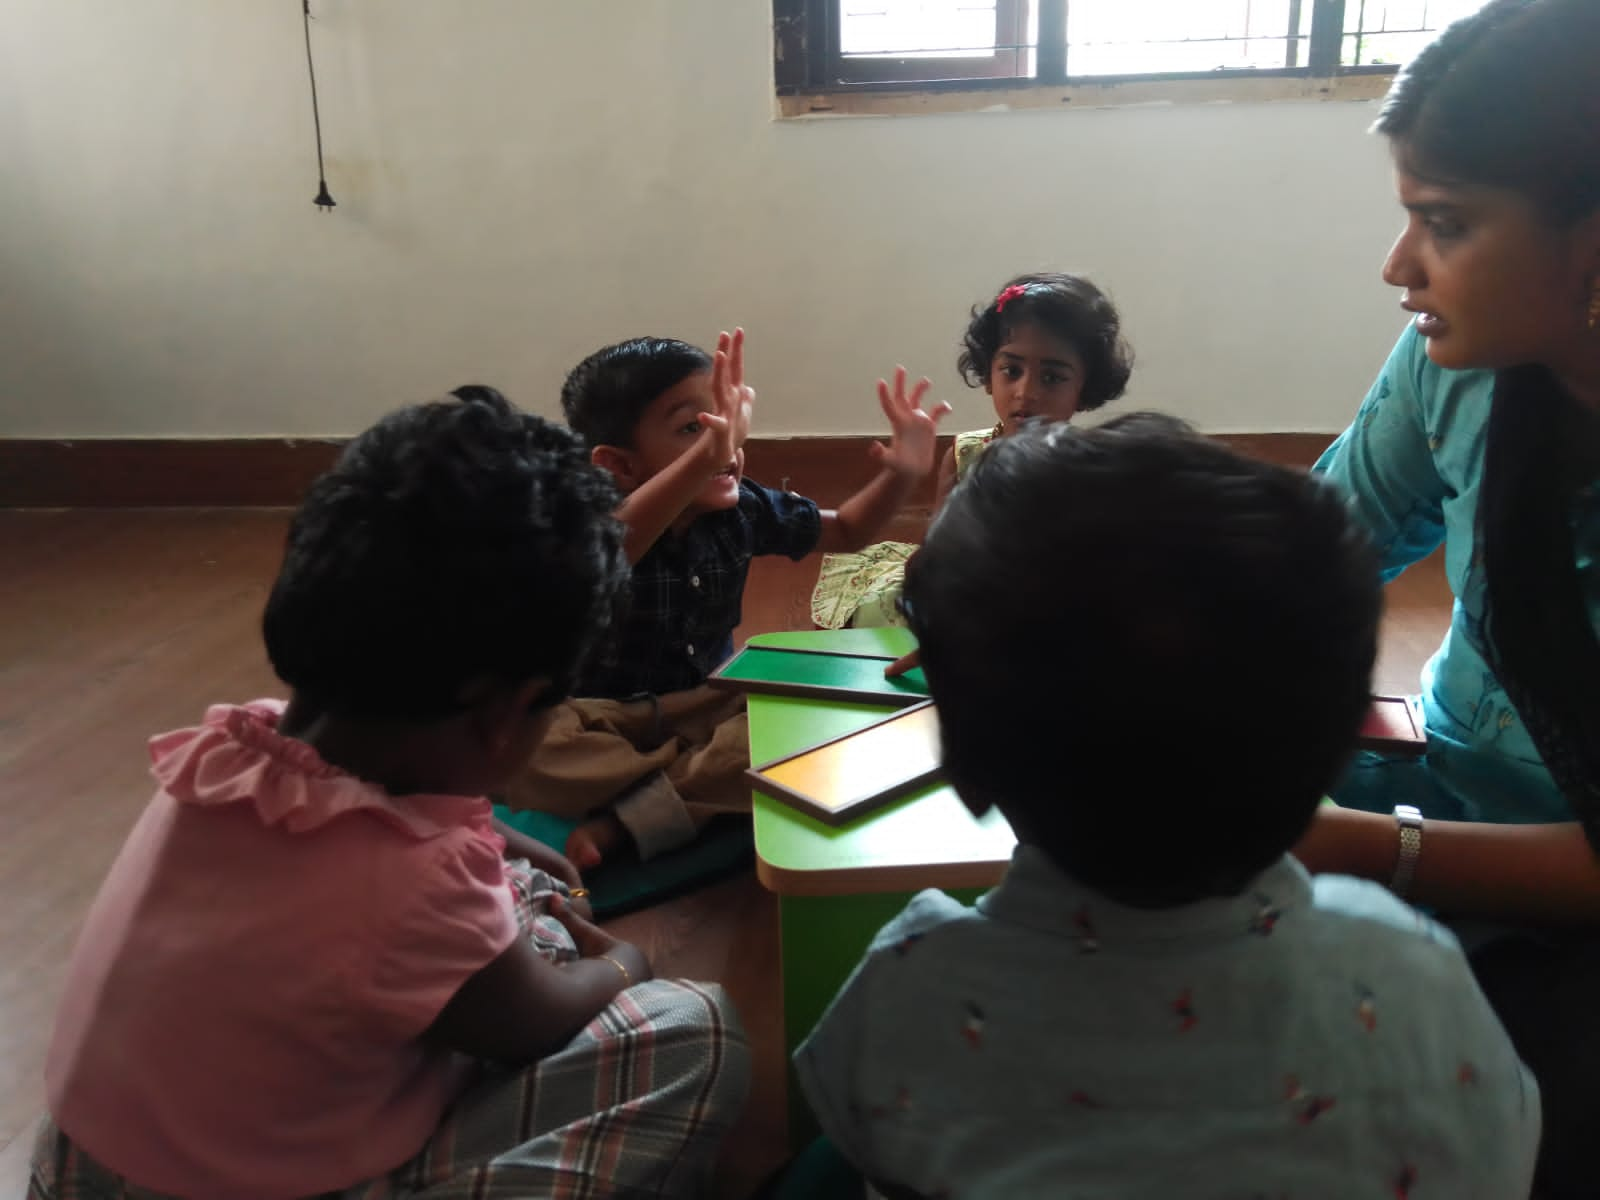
1408,819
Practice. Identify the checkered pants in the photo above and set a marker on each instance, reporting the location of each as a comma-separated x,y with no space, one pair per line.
635,1106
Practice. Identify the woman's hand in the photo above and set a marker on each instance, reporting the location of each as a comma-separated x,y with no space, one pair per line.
1346,841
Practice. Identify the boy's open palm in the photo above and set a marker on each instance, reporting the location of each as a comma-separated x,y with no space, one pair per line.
728,426
914,431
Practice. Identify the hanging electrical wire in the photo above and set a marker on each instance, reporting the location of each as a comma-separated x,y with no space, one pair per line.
324,200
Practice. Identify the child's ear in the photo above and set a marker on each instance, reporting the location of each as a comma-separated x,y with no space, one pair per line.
619,462
500,719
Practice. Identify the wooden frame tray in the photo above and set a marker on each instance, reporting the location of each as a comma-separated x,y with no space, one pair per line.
847,777
1394,725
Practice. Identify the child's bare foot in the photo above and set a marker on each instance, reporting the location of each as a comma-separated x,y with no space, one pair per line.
595,840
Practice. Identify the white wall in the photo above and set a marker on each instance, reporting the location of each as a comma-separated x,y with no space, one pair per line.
521,181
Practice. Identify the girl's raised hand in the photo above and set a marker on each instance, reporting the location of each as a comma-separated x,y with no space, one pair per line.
727,426
914,431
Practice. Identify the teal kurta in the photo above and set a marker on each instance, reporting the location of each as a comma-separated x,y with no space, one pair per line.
1412,465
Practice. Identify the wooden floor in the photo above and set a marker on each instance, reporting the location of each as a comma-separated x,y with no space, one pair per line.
121,623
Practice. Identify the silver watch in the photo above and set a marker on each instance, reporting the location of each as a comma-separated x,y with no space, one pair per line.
1408,819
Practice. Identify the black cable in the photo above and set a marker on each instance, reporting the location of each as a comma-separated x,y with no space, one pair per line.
324,200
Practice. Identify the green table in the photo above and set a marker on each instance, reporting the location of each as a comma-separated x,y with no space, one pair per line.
837,887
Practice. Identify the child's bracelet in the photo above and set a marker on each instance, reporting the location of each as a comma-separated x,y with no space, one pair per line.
627,975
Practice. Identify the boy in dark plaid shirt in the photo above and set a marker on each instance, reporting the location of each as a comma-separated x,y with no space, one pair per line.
648,753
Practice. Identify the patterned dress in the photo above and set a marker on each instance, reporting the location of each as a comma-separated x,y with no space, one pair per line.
862,589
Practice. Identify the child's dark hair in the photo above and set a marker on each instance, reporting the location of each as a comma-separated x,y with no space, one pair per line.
1157,684
1509,98
605,395
452,542
1065,307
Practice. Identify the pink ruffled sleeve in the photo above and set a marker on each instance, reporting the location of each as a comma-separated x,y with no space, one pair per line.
448,919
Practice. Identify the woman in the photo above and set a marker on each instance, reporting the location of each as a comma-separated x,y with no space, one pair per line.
1483,432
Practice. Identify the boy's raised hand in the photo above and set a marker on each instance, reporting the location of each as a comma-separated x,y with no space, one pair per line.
728,425
914,431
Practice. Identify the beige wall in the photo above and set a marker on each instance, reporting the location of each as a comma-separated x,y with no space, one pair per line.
520,181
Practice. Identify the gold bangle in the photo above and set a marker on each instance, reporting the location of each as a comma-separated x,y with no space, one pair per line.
627,975
577,893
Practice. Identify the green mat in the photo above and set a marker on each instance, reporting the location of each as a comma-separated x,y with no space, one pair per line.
723,847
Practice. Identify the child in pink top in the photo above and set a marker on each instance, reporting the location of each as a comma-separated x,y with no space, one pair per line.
312,969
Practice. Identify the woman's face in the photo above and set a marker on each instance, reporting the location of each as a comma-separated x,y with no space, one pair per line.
1493,284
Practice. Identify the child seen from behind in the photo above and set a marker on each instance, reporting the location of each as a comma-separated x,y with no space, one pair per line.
312,969
1153,656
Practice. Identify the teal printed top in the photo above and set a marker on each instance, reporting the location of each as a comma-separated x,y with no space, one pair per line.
1412,465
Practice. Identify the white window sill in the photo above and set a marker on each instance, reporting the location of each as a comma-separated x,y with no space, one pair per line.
1233,89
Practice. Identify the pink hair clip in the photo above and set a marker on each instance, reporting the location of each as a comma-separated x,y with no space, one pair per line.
1011,293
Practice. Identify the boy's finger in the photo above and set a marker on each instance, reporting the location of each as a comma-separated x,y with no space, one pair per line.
886,400
918,392
904,663
736,355
719,373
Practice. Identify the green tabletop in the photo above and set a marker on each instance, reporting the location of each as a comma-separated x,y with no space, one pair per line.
928,839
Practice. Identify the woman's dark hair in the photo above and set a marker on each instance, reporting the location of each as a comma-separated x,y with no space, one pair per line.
1158,684
1510,98
1065,307
1507,98
452,542
605,395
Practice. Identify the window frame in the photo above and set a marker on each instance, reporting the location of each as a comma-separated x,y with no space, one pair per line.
814,77
1010,27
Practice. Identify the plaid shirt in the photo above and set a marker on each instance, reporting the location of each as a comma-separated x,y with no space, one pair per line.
687,591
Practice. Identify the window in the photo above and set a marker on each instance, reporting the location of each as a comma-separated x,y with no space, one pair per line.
833,47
